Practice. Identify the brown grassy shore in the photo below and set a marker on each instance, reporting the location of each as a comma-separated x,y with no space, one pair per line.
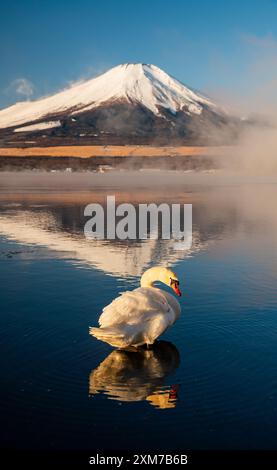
89,151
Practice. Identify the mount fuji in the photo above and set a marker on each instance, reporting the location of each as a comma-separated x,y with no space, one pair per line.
129,104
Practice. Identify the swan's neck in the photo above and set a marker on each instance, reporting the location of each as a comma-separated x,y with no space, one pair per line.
150,276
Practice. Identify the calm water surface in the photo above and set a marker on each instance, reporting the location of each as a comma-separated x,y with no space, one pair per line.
210,383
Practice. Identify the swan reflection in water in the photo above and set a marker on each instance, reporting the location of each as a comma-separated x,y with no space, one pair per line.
137,375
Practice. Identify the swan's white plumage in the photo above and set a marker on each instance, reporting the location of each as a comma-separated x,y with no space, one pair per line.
140,316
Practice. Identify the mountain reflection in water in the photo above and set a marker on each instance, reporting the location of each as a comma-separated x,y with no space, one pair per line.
55,283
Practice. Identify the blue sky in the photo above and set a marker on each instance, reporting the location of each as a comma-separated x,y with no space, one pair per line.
209,45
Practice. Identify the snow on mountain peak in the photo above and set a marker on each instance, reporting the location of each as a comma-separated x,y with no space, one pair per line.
145,84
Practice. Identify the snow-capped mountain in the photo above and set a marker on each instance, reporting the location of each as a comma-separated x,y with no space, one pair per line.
136,103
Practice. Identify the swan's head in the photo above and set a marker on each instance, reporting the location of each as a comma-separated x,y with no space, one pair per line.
164,275
172,281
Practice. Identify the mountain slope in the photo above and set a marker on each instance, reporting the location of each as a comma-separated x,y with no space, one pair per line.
136,103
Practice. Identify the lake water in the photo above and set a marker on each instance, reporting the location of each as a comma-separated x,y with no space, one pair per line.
210,383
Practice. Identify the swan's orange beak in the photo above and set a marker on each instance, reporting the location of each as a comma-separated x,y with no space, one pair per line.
174,283
175,287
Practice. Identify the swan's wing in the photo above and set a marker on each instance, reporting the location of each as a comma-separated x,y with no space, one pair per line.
132,307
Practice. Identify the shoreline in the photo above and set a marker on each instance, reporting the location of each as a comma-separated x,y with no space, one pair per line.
91,151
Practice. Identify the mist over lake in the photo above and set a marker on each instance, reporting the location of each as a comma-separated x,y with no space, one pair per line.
211,378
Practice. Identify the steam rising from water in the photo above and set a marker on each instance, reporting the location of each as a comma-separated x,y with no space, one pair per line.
254,95
255,154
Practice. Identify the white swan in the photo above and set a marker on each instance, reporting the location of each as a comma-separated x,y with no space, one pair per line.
140,316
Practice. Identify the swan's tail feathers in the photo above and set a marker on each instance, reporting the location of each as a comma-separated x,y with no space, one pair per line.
110,335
